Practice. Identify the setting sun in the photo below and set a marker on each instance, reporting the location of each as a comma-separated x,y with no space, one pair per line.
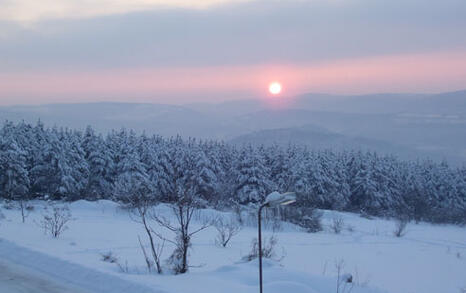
275,88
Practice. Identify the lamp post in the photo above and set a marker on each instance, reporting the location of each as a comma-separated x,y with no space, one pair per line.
272,200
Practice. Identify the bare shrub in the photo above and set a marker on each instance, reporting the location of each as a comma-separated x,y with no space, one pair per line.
9,205
177,259
324,268
359,280
2,216
312,223
271,218
109,257
22,205
239,214
183,211
123,267
308,218
268,248
54,220
344,280
337,224
365,215
156,259
140,205
226,230
400,227
276,225
25,209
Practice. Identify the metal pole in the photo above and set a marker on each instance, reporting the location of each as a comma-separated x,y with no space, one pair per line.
260,247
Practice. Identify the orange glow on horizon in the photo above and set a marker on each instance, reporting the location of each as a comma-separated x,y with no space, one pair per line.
429,72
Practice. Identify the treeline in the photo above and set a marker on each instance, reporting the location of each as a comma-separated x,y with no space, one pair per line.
57,163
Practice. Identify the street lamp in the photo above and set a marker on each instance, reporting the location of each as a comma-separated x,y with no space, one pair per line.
272,200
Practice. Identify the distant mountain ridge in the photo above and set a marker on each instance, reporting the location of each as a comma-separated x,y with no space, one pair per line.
316,138
405,123
386,103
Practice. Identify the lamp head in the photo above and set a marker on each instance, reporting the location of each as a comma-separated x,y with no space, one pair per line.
275,198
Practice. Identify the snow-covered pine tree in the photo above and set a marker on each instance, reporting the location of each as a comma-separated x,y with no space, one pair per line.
52,173
363,187
14,180
252,183
132,179
100,166
76,159
56,163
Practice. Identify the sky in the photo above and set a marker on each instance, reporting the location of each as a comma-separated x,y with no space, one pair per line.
183,51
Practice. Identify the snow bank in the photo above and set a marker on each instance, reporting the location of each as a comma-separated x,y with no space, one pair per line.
68,273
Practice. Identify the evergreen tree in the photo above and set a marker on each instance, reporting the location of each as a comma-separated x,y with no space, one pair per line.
14,180
68,165
132,179
100,166
252,184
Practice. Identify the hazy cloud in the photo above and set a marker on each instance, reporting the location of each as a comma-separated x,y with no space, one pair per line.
301,40
405,73
30,11
256,32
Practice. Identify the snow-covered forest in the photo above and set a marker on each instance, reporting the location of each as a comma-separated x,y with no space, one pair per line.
57,163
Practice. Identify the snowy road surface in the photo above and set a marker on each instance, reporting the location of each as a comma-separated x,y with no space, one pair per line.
25,270
18,279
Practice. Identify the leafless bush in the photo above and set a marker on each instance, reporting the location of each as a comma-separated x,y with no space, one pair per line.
109,257
25,209
2,216
271,218
312,223
239,213
140,207
359,280
123,267
183,211
176,259
344,280
54,220
337,224
9,205
22,205
276,225
400,227
226,230
268,248
365,215
308,218
156,259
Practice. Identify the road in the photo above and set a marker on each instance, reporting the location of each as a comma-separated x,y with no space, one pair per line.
18,279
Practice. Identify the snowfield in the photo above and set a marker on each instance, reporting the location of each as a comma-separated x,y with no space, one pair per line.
428,259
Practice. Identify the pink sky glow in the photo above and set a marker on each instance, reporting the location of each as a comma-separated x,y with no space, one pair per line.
428,72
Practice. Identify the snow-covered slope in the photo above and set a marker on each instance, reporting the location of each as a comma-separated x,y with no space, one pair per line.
428,259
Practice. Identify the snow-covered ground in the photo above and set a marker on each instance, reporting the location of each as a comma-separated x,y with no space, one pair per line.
17,279
428,259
